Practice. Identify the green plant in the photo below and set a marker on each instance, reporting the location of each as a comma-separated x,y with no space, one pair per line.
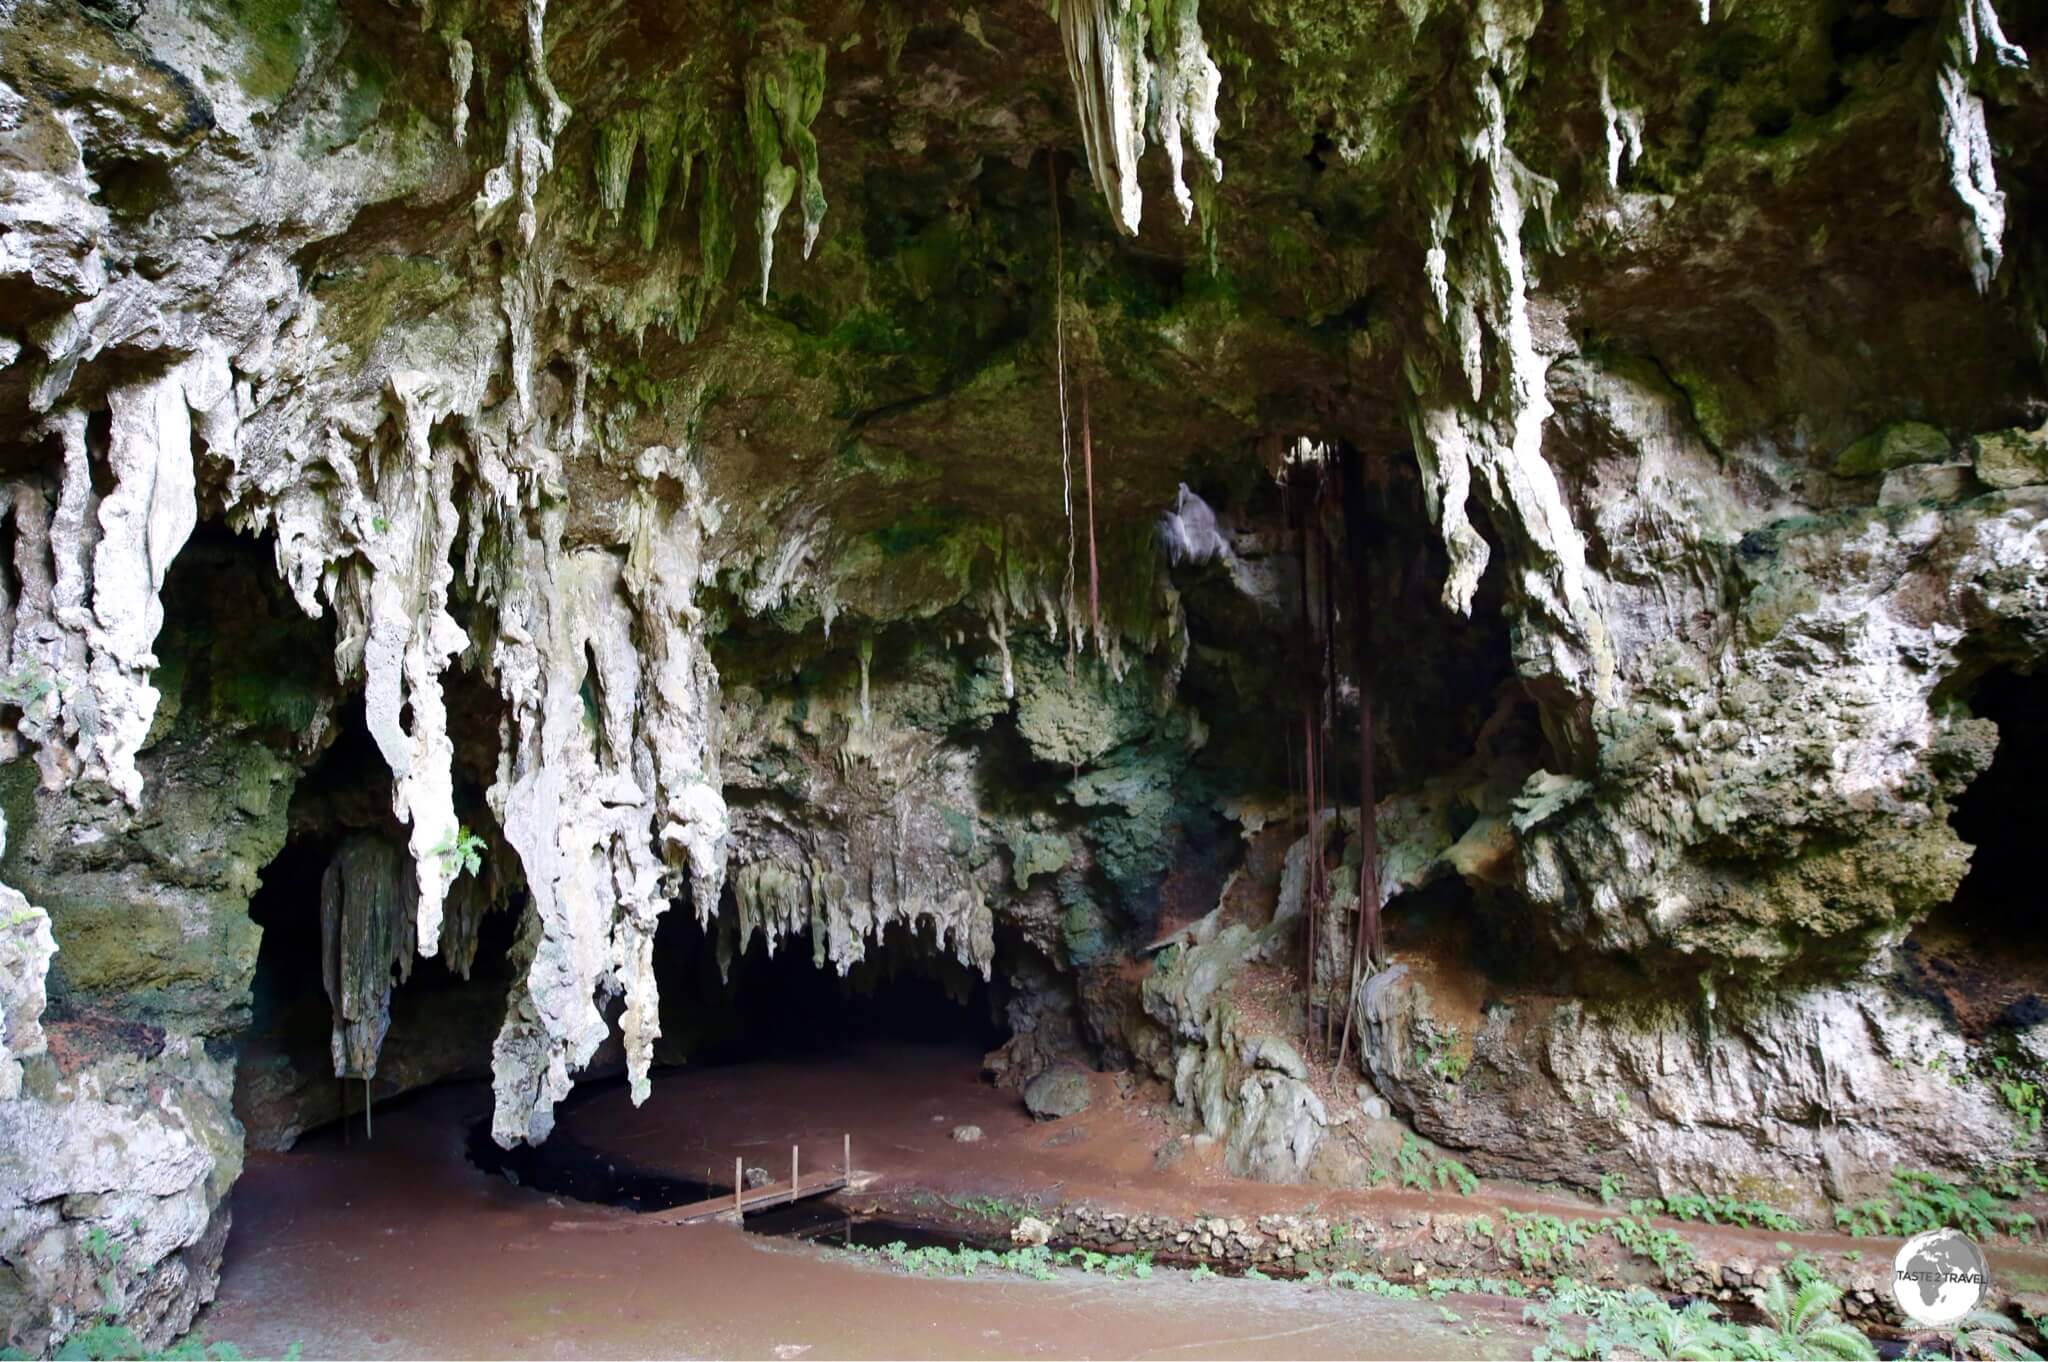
1411,1164
1033,1261
1438,1052
1923,1201
1802,1268
1610,1188
1668,1249
1372,1284
461,849
1805,1322
1985,1333
1582,1321
994,1208
1537,1241
1439,1287
1720,1210
2025,1100
1418,1170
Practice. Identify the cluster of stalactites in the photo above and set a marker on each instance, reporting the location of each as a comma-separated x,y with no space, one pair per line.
667,143
607,785
1477,393
785,90
1118,60
368,899
78,635
535,116
1975,41
846,906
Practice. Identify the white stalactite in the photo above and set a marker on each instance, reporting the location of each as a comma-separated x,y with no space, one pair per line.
1624,129
1966,141
1487,432
1189,82
1106,45
461,70
25,950
594,803
144,521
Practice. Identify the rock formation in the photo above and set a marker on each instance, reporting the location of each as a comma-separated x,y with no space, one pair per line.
396,459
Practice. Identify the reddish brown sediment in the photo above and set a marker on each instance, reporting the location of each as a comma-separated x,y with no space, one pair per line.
399,1248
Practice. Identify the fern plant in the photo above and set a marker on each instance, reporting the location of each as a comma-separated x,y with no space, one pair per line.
1986,1333
1805,1322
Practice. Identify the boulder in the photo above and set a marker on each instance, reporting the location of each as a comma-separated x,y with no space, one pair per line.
1059,1092
1894,446
1031,1232
2011,458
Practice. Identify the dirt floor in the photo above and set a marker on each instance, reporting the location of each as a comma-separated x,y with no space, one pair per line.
400,1247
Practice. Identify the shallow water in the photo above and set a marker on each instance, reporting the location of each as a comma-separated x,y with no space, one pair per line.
402,1248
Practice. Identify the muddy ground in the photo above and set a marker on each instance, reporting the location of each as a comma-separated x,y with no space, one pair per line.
400,1246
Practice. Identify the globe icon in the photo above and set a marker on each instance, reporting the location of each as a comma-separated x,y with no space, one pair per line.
1938,1277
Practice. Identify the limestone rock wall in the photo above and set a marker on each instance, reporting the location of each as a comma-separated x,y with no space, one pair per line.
1707,346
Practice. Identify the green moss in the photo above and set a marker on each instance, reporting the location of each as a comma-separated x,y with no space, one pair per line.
358,308
925,528
1895,446
1035,852
280,35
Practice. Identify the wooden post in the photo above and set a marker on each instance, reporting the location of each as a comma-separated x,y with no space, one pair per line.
739,1182
792,1172
847,1157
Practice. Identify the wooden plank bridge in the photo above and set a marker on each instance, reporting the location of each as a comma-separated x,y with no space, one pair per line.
744,1200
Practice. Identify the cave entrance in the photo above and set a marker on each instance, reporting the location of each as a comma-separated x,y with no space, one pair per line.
441,1022
1983,956
757,1052
789,1005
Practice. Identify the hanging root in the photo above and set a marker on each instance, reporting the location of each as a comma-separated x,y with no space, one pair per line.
1314,891
1088,478
1059,334
1367,944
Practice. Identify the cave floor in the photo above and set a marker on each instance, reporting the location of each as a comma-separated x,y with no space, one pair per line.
398,1247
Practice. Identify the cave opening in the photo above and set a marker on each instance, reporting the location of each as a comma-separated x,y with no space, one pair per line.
787,1002
1982,957
442,1016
